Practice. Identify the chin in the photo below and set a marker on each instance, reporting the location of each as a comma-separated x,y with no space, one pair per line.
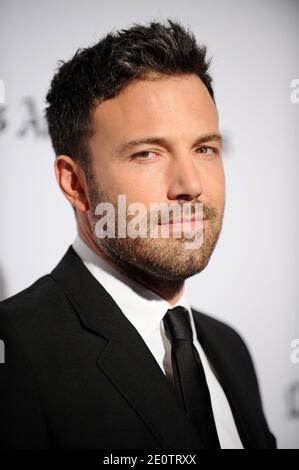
178,271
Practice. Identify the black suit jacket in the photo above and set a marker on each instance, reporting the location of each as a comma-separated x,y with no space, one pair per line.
77,374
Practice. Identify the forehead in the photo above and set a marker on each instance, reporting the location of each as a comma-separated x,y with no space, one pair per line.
157,106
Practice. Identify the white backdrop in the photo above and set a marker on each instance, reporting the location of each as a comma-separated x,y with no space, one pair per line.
252,279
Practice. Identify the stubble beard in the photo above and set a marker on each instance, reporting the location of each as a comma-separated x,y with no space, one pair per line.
165,259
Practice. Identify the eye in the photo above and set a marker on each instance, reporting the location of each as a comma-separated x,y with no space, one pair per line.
206,150
144,155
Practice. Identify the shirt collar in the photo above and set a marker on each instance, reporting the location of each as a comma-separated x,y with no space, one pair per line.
143,307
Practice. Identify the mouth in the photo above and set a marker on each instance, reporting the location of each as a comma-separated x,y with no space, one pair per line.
193,223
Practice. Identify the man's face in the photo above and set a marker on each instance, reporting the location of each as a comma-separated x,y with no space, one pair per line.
177,168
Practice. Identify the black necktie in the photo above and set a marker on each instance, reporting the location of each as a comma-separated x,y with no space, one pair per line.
189,377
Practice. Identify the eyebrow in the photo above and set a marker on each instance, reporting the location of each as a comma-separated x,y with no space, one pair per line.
165,142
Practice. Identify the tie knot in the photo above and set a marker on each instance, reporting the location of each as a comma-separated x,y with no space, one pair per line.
177,323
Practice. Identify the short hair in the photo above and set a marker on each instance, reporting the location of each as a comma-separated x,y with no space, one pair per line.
101,71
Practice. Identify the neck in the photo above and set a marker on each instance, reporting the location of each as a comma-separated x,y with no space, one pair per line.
169,290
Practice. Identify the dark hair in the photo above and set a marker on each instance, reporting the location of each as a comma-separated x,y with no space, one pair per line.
101,71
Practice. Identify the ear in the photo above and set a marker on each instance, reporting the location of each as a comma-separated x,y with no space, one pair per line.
72,182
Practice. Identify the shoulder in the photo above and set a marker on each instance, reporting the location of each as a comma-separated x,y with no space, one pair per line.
212,325
222,330
219,336
28,310
24,329
33,296
229,353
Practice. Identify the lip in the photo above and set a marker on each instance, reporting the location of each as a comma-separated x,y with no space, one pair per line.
185,221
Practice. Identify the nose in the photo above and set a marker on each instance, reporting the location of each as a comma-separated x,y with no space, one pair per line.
184,179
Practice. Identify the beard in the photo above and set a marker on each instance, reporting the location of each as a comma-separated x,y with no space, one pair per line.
165,259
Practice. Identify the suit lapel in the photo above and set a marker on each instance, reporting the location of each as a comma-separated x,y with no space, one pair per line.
129,364
249,419
126,359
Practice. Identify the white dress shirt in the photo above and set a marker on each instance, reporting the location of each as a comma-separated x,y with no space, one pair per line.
145,311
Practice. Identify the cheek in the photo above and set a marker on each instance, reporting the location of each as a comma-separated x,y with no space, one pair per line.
214,187
138,184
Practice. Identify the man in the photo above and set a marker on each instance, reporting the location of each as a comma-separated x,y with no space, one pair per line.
105,351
